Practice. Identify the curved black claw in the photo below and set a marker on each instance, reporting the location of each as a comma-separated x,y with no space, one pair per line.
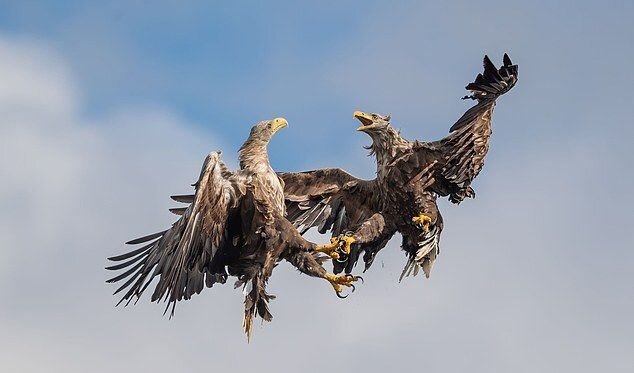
354,278
342,258
341,296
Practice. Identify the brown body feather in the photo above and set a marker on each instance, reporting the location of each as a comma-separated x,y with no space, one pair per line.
410,176
234,225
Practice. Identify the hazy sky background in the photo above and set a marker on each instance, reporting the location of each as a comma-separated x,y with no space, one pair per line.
106,110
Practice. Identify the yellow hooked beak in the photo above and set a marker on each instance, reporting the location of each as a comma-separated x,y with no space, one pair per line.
365,119
279,123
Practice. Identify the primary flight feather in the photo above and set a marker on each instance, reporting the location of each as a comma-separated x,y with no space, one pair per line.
410,177
234,225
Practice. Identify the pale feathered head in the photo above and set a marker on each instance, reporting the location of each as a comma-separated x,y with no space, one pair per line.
265,130
253,151
385,139
372,122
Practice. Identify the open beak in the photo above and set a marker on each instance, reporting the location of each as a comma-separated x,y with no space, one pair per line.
279,123
365,119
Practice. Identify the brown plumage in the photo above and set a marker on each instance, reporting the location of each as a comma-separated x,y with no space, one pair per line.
410,176
234,226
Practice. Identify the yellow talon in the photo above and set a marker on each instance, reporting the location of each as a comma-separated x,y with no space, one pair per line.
338,281
346,241
342,242
330,249
423,220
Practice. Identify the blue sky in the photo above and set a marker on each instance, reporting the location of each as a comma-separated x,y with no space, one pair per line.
229,65
109,108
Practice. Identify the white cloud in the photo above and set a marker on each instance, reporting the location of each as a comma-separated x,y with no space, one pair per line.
70,182
34,81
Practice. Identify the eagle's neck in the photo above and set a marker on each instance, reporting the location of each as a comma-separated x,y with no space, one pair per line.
386,145
253,156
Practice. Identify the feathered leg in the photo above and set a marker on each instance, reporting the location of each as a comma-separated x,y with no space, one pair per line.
305,257
372,235
310,264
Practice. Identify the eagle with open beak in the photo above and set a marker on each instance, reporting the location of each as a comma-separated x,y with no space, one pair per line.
411,175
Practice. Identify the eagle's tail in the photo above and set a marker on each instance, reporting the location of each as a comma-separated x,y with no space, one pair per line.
493,82
255,302
425,256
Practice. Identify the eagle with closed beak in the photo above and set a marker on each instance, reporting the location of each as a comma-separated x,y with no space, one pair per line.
234,225
410,177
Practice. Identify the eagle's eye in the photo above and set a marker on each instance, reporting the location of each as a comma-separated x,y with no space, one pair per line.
374,116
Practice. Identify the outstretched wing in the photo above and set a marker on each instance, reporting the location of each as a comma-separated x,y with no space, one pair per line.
183,257
333,200
330,199
458,158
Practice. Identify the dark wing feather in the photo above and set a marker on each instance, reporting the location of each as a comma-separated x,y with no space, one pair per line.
181,257
178,210
334,201
185,198
493,82
458,158
330,199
